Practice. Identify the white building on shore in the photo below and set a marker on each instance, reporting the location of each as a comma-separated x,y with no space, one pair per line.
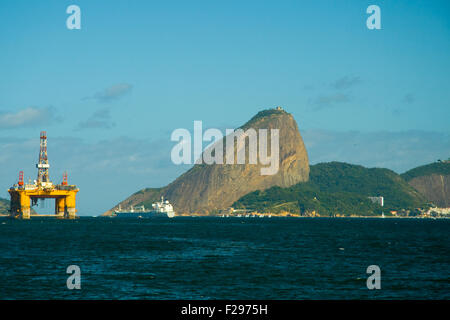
378,200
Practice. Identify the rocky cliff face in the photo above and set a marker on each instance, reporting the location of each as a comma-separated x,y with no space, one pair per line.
209,187
435,187
433,181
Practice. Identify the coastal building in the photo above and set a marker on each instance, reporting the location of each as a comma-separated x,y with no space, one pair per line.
377,200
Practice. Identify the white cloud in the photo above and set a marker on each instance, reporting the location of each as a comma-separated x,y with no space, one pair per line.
30,116
328,100
409,98
112,93
346,82
100,119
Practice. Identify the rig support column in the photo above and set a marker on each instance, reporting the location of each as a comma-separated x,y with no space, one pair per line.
24,206
60,204
70,204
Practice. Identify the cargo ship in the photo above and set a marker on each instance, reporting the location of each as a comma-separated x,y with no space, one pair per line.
159,209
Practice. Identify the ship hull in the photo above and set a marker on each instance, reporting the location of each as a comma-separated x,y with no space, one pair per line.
150,214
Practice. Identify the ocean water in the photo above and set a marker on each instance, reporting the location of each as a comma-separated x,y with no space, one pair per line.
225,258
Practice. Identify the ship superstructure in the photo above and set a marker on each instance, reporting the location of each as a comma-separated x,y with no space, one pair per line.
161,208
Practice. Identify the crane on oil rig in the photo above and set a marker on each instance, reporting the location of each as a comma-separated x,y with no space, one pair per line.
24,195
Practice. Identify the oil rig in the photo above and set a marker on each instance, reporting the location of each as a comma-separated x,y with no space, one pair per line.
25,195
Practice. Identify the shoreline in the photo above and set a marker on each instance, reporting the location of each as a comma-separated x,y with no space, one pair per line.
254,217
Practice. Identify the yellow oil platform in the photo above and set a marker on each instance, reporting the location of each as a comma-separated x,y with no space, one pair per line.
24,196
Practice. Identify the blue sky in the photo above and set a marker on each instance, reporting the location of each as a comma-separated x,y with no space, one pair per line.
110,94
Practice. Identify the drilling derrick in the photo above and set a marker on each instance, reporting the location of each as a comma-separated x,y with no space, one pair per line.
24,195
43,165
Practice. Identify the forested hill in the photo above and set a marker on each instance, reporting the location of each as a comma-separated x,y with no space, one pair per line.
438,168
433,181
337,187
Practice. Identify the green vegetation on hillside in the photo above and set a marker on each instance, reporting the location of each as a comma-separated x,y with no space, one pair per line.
305,198
344,177
152,195
441,168
337,188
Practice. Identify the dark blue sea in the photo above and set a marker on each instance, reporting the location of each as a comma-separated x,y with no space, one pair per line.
225,258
